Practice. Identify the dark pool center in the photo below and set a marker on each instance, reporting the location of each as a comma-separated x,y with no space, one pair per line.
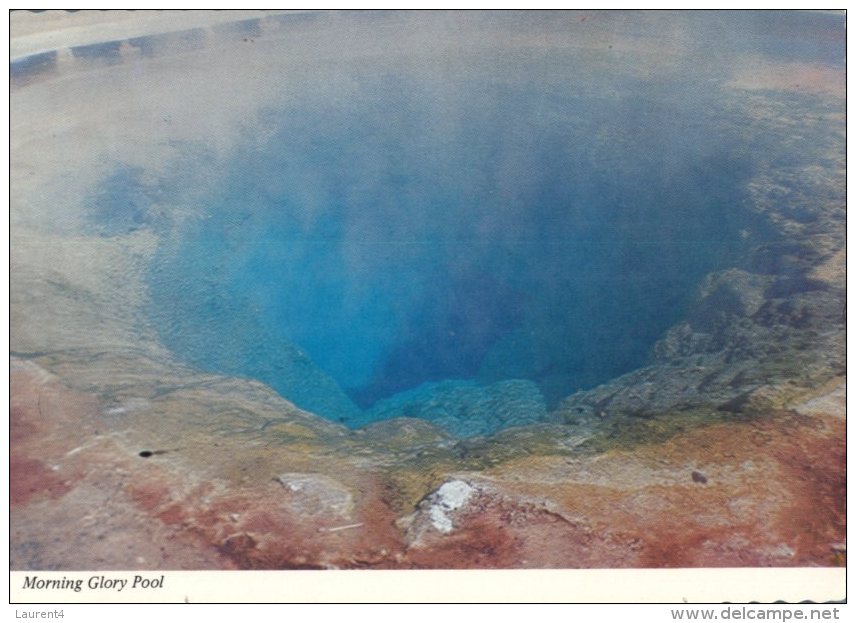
463,238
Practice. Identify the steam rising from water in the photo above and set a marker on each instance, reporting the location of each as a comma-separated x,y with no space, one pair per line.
468,211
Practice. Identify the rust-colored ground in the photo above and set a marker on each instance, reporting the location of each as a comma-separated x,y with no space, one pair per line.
767,491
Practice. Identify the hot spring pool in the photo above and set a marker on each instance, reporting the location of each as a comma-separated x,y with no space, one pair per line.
467,229
427,290
408,243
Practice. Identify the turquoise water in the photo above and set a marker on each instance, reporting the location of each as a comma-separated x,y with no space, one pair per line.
390,256
410,234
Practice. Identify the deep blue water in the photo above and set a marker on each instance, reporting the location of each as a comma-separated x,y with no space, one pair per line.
526,242
409,222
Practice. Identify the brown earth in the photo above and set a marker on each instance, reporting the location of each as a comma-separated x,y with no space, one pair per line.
762,491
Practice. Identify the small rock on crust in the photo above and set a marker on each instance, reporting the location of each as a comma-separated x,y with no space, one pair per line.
316,494
450,496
